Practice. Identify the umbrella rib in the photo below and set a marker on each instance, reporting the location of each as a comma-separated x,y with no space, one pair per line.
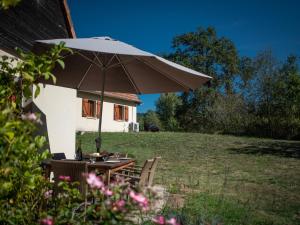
119,63
88,59
164,74
86,72
129,76
110,60
96,56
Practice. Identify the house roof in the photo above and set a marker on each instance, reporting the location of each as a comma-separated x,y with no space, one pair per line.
118,95
69,22
124,96
36,24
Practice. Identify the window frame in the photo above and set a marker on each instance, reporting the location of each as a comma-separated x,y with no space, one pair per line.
123,110
92,104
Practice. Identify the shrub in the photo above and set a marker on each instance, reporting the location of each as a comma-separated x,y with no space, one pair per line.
21,181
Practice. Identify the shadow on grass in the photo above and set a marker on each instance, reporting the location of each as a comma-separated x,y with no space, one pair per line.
276,148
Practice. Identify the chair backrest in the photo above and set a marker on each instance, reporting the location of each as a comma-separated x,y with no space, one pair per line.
123,155
58,156
144,176
152,170
74,169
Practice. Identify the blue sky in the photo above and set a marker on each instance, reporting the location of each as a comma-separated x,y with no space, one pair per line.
150,25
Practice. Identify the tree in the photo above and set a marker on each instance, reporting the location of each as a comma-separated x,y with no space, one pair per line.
166,108
271,91
151,118
204,51
229,114
286,100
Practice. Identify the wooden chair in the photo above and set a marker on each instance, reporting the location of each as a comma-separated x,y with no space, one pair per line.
73,169
58,156
137,169
152,170
138,177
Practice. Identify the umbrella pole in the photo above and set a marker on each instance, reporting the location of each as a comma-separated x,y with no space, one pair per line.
99,138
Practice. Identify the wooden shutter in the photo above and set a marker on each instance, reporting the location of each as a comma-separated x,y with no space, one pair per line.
98,109
85,107
115,112
126,113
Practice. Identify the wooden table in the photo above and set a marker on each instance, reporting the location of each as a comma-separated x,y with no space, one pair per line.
105,167
110,168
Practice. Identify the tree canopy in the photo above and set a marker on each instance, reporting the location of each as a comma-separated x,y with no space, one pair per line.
247,95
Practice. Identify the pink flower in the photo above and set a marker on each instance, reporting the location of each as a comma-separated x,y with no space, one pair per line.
140,199
108,192
94,181
172,221
120,204
48,194
64,178
31,117
47,221
159,220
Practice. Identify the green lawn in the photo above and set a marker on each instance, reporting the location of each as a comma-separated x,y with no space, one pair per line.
237,180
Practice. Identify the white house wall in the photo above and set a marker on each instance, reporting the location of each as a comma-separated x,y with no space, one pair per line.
108,122
58,104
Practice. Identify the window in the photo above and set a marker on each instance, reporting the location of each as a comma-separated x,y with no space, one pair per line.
120,112
90,108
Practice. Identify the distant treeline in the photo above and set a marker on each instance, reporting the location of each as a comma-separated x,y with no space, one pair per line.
257,96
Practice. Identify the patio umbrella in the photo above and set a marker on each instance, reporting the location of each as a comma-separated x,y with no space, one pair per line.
104,64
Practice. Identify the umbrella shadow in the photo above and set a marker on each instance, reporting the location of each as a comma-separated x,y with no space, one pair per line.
276,148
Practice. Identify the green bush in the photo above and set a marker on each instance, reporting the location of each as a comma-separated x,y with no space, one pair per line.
21,182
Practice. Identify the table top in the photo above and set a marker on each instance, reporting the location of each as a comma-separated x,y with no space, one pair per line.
100,165
108,166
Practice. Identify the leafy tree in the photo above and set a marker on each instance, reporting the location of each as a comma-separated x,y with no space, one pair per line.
166,108
257,96
204,51
229,114
246,73
271,91
151,118
192,113
140,120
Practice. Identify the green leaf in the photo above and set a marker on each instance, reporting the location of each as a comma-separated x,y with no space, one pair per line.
10,135
27,76
53,78
37,91
61,63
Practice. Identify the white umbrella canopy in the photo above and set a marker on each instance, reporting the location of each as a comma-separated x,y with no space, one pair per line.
128,69
104,64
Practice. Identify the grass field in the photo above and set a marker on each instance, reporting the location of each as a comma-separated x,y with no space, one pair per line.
236,180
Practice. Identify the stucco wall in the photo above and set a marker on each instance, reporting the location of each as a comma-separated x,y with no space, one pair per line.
59,108
108,122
